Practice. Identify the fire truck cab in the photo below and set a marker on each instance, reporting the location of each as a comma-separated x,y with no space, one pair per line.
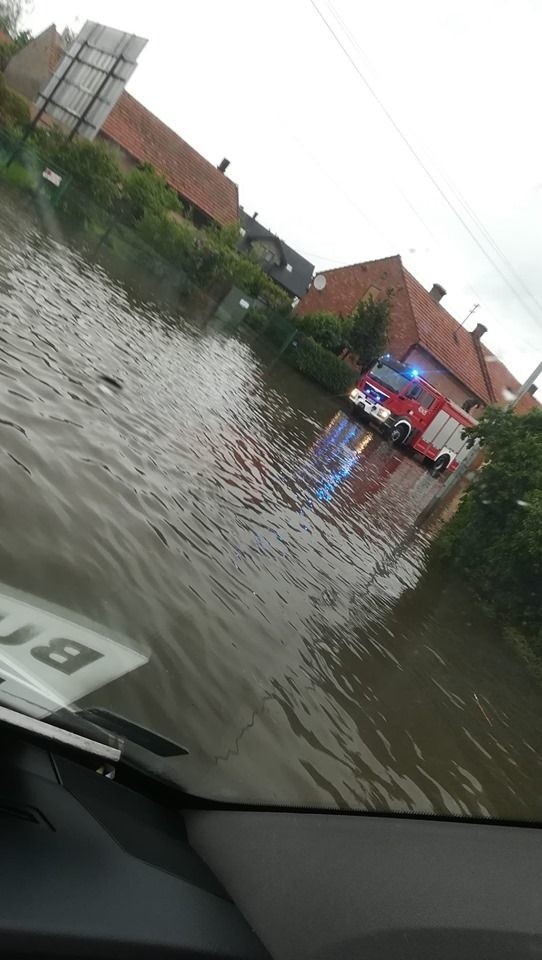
396,398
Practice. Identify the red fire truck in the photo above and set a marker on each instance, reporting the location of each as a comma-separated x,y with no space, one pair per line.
393,396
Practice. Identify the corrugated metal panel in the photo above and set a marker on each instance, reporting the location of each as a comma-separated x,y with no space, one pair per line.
90,78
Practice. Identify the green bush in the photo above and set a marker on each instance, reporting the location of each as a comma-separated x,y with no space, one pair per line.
98,190
364,332
257,318
146,191
18,175
208,256
330,330
494,537
14,110
321,365
17,40
96,181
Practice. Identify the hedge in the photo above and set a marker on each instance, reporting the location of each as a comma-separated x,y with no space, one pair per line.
321,365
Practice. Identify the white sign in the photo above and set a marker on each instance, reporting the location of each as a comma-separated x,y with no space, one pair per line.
52,177
48,661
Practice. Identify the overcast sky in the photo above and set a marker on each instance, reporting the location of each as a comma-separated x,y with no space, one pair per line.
268,86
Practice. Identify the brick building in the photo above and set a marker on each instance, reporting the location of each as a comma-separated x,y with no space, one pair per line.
422,332
138,136
29,70
141,137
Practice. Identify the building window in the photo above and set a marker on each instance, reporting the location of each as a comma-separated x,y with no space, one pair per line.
267,252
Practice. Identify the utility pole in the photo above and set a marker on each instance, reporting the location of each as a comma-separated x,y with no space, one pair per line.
463,468
532,378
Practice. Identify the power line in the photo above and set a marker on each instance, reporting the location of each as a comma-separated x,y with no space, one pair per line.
459,196
424,167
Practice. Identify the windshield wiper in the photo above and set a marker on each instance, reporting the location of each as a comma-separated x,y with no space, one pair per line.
134,732
59,735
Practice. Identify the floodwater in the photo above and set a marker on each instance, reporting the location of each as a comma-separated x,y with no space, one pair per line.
259,545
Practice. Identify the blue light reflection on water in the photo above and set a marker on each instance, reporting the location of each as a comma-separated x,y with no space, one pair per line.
334,457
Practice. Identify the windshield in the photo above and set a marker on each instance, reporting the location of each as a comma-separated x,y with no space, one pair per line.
206,529
388,377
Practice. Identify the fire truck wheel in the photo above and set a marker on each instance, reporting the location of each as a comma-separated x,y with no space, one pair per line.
399,434
440,465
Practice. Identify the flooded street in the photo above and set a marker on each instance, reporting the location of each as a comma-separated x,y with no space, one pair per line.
235,524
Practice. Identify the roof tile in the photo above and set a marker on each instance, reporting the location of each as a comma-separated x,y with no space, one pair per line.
455,348
141,134
445,339
417,317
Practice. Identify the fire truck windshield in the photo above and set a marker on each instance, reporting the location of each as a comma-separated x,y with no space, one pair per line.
384,374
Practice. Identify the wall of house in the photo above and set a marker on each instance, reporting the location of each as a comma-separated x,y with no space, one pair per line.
346,286
125,160
28,71
440,378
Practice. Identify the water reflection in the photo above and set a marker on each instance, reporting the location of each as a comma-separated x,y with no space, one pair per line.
228,517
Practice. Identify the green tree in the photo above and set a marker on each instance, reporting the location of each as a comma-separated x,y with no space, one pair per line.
369,330
495,537
11,12
328,329
9,48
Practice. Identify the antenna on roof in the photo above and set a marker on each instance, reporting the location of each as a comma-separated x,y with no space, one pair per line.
463,322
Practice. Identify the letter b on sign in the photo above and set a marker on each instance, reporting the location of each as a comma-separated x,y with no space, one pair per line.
68,656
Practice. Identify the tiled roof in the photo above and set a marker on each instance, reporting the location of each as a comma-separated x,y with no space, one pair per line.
418,319
456,349
141,134
441,335
345,286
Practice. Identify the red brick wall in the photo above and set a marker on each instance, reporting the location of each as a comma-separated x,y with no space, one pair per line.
346,286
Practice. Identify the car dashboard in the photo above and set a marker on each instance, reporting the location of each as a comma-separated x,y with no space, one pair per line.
98,867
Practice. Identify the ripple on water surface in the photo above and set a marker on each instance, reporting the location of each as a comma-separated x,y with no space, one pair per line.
230,519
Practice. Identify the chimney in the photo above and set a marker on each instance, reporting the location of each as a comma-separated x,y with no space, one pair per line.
255,215
532,389
478,331
223,165
437,292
